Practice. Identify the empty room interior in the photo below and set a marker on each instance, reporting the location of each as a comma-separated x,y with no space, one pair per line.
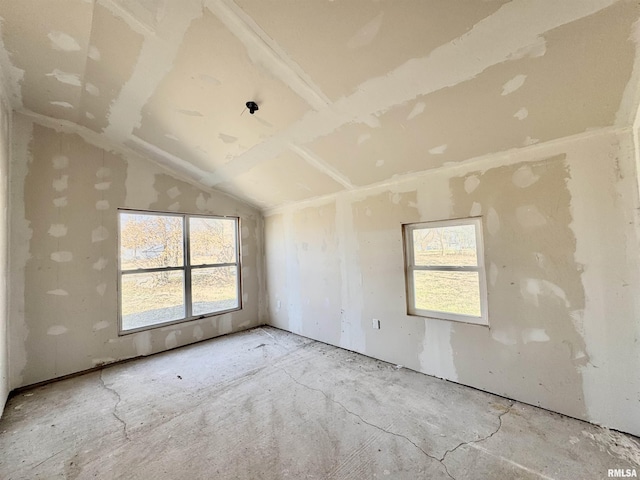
327,239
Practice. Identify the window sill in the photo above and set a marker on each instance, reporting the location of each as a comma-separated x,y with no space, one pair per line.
122,333
479,321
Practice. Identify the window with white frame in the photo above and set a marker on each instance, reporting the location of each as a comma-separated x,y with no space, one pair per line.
445,272
176,267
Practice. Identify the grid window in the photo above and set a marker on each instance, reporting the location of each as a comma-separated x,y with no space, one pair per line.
176,267
445,274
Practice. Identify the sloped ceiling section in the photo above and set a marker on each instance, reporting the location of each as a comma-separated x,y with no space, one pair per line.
351,92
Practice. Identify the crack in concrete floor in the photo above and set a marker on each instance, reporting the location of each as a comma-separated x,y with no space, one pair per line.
471,442
440,460
115,407
564,448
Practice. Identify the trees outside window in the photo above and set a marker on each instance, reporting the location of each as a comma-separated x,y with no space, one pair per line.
176,267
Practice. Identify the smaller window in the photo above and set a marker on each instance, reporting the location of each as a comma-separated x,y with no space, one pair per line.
445,270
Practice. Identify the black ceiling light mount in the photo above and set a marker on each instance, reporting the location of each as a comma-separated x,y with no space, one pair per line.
252,106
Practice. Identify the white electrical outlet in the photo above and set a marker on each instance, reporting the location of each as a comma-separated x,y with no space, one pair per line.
375,324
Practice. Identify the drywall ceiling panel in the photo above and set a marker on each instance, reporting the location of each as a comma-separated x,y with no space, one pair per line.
537,96
362,90
343,43
113,52
49,42
198,111
147,12
287,178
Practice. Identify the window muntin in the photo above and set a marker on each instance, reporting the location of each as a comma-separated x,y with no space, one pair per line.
445,273
176,267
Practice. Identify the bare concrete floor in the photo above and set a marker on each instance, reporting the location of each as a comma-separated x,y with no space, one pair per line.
266,404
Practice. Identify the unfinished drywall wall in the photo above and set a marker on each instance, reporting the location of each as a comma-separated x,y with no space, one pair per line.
5,129
65,193
561,250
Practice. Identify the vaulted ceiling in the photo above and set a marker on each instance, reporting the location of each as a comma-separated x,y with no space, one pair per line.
351,92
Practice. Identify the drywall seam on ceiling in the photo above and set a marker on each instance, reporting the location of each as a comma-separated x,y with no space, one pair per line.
105,143
84,55
321,165
630,104
481,163
122,13
472,53
155,61
264,50
166,159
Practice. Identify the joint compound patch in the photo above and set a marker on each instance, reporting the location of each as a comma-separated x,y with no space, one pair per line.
60,201
91,89
534,335
493,222
142,343
524,177
100,264
101,289
58,103
63,41
61,257
99,234
439,150
60,184
532,289
66,78
57,330
100,325
102,205
59,292
493,274
94,53
173,192
471,183
363,138
514,84
60,162
418,108
102,186
521,114
58,230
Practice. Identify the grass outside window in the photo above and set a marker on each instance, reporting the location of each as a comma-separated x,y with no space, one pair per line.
445,270
176,267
